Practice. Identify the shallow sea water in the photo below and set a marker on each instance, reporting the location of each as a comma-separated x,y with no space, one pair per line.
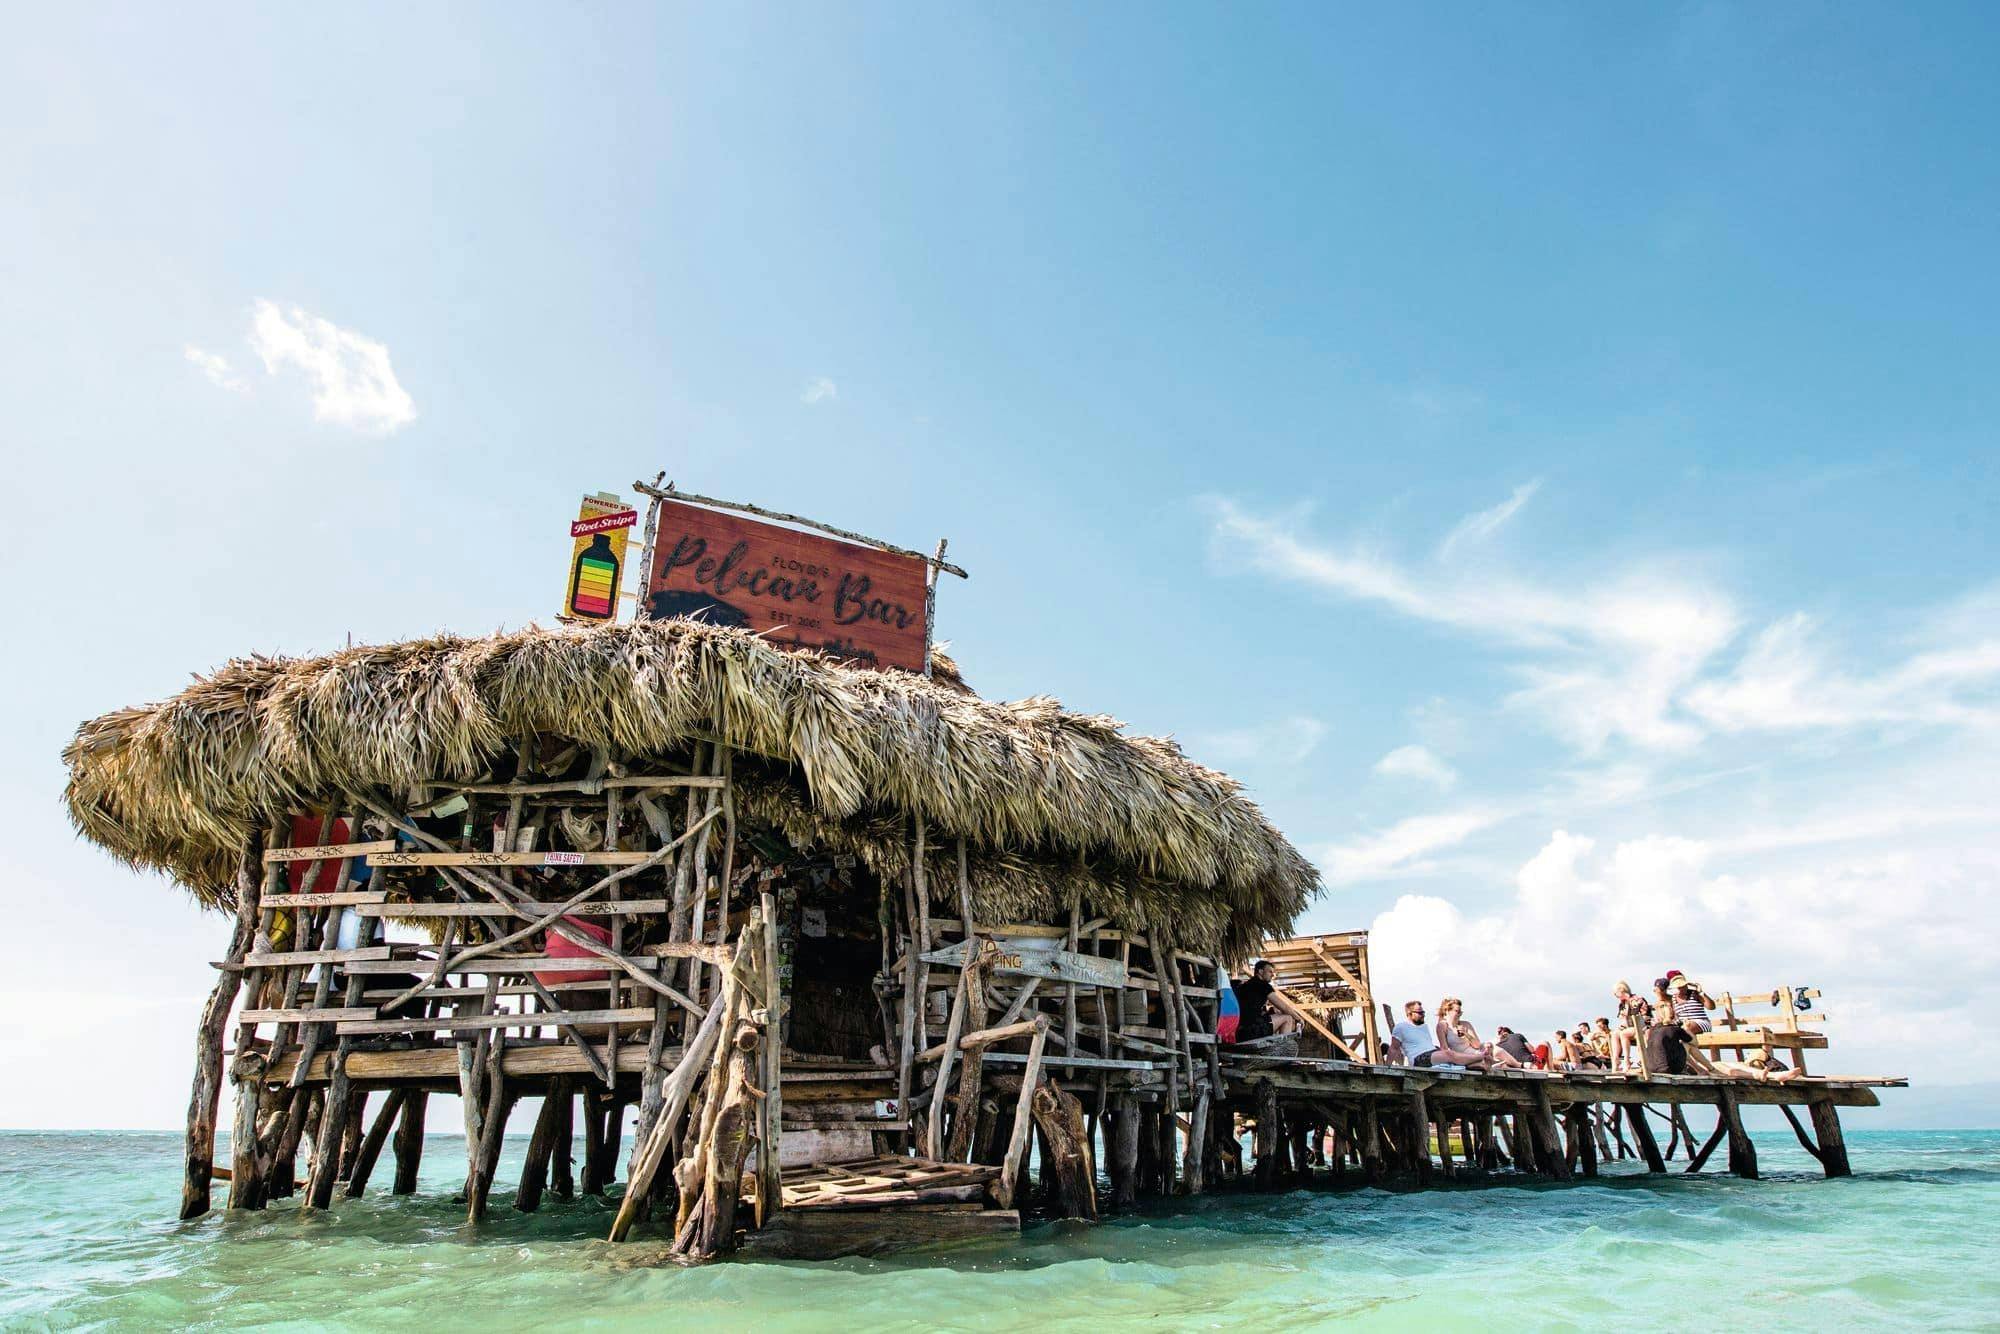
88,1240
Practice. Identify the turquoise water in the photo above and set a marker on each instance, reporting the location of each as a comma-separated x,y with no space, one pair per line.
87,1240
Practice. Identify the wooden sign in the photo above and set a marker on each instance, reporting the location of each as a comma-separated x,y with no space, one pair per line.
798,589
1039,956
597,558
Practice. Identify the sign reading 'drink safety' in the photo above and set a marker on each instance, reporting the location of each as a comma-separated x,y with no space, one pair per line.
597,558
797,589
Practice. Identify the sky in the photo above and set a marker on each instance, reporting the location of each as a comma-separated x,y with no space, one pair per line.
1547,453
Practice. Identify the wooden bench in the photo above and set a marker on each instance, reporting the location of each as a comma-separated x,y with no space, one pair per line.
1779,1029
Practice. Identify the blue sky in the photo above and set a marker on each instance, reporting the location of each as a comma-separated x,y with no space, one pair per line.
1547,453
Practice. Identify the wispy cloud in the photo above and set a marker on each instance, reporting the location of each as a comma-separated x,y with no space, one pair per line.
1420,763
819,389
1785,682
1403,847
1608,658
216,369
352,381
1287,741
1476,528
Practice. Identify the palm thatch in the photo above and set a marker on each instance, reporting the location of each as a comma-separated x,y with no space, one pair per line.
1048,801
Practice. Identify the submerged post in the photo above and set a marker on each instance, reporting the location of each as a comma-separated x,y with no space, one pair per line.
1832,1144
207,1091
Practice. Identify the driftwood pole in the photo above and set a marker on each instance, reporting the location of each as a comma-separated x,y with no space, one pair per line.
1017,1141
410,1141
199,1154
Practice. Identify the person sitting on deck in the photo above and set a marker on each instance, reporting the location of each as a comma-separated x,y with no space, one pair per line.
1690,1002
1412,1042
1253,995
1514,1045
1602,1042
1586,1049
1563,1052
1633,1016
1460,1041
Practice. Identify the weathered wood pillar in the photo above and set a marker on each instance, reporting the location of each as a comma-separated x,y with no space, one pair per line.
1548,1139
1194,1170
1267,1135
1742,1153
541,1147
371,1143
562,1166
1124,1152
1697,1158
1832,1143
1419,1131
206,1093
352,1133
593,1142
1372,1166
246,1169
1581,1127
410,1141
1066,1164
1649,1145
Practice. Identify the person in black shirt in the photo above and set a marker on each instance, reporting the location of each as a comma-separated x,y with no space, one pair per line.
1253,998
1667,1049
1514,1045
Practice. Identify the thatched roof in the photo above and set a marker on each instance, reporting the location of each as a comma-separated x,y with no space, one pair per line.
1048,801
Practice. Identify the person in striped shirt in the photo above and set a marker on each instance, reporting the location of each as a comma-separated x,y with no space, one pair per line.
1690,1002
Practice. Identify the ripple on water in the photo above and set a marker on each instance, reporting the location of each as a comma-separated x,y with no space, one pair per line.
1903,1243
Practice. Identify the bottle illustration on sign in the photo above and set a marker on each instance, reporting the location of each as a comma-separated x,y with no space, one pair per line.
593,585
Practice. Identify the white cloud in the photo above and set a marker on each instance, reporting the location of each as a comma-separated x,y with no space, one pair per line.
1474,529
1889,932
1609,657
1286,741
819,389
353,384
216,368
1784,682
1401,849
1419,763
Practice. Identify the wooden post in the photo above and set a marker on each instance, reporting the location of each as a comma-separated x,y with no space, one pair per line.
1267,1135
199,1153
1742,1153
593,1141
1649,1147
1832,1143
1581,1127
972,1070
1067,1159
1194,1164
1420,1137
371,1144
1124,1153
1697,1159
541,1147
1372,1166
410,1141
1548,1139
562,1169
771,1130
1017,1142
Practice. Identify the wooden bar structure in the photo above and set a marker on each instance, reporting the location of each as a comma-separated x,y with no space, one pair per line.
822,958
787,936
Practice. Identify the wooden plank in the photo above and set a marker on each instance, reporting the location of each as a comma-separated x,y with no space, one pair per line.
328,852
498,963
307,1015
598,908
439,1064
286,958
346,898
1035,957
393,859
473,1022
